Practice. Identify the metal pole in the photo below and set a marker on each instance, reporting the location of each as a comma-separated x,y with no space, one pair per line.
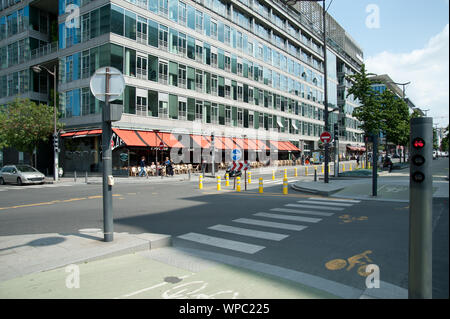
213,155
325,89
375,164
420,211
107,167
55,151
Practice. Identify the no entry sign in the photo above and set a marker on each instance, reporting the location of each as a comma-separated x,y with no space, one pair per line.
325,137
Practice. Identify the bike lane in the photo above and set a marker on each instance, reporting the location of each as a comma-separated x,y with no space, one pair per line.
135,276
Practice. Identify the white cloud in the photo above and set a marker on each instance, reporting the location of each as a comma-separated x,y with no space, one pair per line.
426,68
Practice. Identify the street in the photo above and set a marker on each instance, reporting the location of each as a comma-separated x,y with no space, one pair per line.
297,232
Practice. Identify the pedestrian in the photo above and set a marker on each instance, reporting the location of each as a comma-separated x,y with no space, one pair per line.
303,159
142,165
293,160
169,168
357,161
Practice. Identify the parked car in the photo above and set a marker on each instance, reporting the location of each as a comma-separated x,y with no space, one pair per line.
20,174
435,155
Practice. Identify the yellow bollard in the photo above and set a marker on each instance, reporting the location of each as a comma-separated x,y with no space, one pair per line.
261,185
218,183
249,177
238,184
285,186
227,180
295,172
273,175
306,171
200,182
323,167
343,167
285,173
350,167
368,165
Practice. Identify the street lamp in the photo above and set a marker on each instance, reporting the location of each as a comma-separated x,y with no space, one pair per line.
38,69
325,89
402,84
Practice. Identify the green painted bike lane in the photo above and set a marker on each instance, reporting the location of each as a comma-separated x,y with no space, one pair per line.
134,276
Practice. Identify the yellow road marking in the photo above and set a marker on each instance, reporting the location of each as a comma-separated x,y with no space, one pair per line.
58,201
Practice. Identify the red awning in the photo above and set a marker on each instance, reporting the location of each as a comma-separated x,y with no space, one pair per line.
169,140
261,145
240,143
291,146
81,133
129,137
148,137
251,145
201,141
227,142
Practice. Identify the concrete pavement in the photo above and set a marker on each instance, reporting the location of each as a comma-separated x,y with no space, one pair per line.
392,186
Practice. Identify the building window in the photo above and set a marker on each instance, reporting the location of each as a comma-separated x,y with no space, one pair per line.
182,110
141,33
163,72
182,76
141,67
141,106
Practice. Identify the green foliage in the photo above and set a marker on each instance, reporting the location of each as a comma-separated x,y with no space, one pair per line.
444,141
369,111
24,124
395,118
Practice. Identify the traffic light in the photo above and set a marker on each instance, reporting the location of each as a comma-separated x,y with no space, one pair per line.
56,143
336,131
421,153
418,159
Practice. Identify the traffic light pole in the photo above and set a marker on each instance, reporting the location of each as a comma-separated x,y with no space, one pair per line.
108,223
375,164
420,209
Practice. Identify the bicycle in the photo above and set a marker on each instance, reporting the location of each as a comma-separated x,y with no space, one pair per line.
337,264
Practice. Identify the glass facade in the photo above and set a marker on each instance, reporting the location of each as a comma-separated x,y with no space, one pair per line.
233,68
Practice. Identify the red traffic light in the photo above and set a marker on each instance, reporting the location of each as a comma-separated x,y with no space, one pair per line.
418,142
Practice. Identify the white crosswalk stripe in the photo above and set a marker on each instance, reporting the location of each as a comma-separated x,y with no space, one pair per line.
264,223
222,243
316,207
297,211
337,200
288,217
249,232
325,203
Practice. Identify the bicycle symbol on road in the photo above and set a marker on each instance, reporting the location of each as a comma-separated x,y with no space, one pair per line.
360,259
348,218
195,290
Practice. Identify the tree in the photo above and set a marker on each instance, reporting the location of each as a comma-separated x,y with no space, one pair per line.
368,113
444,141
24,124
396,118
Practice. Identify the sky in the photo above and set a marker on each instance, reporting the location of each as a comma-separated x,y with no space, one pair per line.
409,41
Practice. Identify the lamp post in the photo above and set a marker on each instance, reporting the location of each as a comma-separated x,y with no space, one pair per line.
38,69
403,85
325,88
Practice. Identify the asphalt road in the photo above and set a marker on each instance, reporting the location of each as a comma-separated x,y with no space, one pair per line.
212,221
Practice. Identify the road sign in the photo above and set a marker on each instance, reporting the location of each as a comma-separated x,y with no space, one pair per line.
325,137
236,154
246,166
161,146
240,166
116,83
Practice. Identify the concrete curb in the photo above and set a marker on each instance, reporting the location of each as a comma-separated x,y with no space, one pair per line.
19,257
314,191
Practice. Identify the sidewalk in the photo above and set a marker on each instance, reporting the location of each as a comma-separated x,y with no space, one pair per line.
81,178
392,186
26,254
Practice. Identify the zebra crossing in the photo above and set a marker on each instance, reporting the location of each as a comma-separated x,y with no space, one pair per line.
24,187
273,225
